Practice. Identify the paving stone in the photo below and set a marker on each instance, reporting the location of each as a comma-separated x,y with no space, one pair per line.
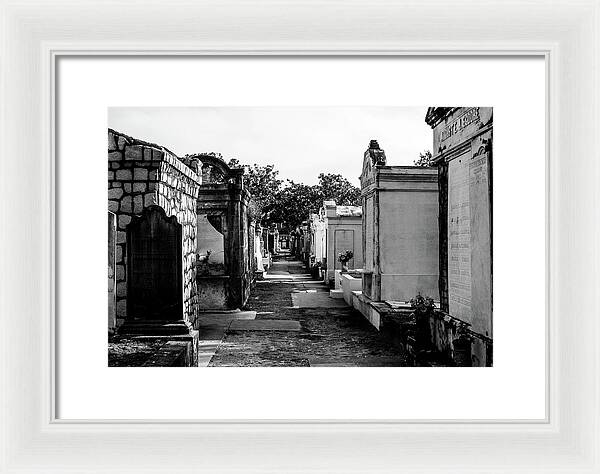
356,361
206,351
317,300
264,325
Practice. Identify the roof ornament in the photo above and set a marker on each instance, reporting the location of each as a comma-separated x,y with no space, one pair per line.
377,154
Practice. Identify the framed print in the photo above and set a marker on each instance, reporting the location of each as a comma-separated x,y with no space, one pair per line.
339,235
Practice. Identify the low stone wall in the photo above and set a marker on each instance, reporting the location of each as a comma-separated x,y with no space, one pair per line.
454,341
435,339
142,174
400,328
154,351
349,284
173,354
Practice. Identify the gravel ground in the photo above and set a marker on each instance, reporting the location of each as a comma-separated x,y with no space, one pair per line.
123,352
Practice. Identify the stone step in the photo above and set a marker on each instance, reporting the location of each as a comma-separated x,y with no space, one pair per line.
336,294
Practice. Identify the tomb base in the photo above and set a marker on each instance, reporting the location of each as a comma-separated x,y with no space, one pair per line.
176,350
154,328
450,340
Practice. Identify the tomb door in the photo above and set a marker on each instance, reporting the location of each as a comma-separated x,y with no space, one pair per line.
154,269
343,241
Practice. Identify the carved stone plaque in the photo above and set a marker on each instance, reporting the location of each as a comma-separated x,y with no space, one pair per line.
154,267
469,241
481,250
459,239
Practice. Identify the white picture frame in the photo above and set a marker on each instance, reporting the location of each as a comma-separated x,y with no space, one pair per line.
34,35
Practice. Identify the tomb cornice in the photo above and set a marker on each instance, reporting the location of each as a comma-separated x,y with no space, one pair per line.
449,154
158,153
435,115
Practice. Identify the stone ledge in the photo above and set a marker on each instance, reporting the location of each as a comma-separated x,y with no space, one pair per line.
171,354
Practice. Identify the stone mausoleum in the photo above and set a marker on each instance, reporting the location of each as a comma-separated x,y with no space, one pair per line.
180,240
335,229
226,262
462,151
150,190
400,234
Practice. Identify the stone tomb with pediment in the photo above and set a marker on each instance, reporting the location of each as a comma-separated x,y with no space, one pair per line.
400,234
343,232
226,256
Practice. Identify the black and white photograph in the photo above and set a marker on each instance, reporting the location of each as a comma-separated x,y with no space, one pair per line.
300,236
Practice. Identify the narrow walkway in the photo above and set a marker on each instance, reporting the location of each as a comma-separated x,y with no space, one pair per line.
290,320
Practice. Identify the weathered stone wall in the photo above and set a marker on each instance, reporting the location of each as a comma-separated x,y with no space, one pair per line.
443,234
141,174
224,203
400,223
462,144
112,284
318,256
177,194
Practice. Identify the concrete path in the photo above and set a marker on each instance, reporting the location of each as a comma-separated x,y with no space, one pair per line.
289,321
212,329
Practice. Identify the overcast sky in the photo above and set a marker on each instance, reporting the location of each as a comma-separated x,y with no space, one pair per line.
300,141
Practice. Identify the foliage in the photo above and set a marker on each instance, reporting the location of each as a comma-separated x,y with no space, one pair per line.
425,160
264,186
295,202
422,304
346,256
334,187
290,203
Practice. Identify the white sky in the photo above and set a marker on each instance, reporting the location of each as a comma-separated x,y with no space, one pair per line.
300,141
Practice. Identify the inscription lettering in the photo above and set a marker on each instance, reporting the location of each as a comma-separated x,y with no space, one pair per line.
466,119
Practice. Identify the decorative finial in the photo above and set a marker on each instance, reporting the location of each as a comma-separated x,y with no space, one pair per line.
377,154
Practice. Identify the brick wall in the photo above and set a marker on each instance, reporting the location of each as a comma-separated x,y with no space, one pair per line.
141,174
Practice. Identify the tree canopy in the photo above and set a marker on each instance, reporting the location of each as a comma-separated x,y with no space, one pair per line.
425,160
288,202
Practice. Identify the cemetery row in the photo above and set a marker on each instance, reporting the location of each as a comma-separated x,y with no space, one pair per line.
416,258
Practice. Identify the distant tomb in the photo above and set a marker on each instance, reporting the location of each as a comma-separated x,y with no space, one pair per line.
343,230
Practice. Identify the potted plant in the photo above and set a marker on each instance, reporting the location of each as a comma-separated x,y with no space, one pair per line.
423,307
344,258
315,270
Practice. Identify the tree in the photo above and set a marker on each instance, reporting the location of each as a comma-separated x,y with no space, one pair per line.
334,187
264,186
425,160
291,203
295,202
